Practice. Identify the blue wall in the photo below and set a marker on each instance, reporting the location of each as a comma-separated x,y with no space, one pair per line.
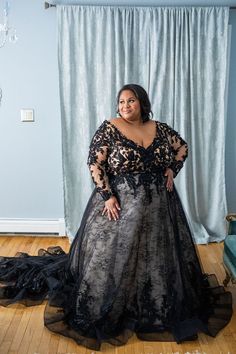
30,153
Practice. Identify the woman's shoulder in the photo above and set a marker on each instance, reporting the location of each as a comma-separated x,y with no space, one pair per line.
163,125
160,123
104,125
115,124
113,120
107,126
104,129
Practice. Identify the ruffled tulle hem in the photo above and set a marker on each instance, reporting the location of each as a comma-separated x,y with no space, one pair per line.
215,315
29,280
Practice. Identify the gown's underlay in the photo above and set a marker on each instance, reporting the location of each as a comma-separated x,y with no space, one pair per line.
140,274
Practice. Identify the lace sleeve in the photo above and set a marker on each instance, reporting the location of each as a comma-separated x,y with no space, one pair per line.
97,160
180,149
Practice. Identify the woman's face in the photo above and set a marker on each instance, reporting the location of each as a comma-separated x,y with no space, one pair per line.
129,106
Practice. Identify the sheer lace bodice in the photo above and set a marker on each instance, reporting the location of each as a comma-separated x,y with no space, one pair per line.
111,153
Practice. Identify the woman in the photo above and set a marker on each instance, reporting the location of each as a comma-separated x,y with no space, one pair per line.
132,266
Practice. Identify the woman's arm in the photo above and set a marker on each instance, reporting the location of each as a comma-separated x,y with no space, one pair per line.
97,160
179,148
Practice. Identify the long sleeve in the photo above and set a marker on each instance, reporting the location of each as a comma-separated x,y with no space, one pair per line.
179,148
97,160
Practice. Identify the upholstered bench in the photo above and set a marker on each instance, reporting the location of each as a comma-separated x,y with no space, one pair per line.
229,253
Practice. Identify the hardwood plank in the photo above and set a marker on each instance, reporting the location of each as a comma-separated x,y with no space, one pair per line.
53,345
74,348
43,346
19,334
138,345
125,349
62,345
31,329
5,347
4,241
10,247
16,313
38,330
6,319
156,347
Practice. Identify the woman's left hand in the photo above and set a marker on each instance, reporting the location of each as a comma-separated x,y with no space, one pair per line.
170,179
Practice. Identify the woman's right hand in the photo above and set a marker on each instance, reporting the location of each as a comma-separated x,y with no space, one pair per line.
111,208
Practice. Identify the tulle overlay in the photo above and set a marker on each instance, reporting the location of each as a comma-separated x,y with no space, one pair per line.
138,274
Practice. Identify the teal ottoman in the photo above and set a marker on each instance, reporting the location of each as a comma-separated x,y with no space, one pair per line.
229,258
229,254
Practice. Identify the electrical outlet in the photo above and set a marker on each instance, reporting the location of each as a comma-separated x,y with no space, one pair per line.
27,115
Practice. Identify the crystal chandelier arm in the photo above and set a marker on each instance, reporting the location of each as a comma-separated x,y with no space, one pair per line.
7,32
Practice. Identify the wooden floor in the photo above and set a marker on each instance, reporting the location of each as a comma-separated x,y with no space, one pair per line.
22,330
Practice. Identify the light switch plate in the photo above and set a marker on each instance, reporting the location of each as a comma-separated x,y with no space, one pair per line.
27,115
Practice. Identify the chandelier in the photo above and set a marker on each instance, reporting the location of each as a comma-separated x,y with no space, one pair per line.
7,32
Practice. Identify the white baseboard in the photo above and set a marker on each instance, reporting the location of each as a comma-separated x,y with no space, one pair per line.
33,226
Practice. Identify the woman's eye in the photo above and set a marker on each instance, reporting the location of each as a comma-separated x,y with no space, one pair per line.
129,101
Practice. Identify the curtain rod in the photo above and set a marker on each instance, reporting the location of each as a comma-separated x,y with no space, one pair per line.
47,5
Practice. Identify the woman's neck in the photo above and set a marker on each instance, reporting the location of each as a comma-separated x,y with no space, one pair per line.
137,122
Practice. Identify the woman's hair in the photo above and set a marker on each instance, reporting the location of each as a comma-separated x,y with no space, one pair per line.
143,98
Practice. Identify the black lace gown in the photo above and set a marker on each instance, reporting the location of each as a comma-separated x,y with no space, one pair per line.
138,274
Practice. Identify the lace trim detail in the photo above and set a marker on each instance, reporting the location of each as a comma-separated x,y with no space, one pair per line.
176,167
105,194
144,179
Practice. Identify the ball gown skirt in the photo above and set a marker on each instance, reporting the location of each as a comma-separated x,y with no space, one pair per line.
140,274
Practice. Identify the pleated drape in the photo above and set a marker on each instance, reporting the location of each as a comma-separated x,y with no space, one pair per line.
179,55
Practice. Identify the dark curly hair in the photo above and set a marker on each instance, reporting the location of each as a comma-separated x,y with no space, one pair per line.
143,98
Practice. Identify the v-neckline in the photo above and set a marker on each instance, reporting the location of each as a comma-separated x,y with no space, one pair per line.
132,141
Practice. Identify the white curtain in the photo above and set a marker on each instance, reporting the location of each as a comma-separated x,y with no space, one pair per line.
179,56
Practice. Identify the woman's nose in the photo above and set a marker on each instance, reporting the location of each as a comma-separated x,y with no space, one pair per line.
127,104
